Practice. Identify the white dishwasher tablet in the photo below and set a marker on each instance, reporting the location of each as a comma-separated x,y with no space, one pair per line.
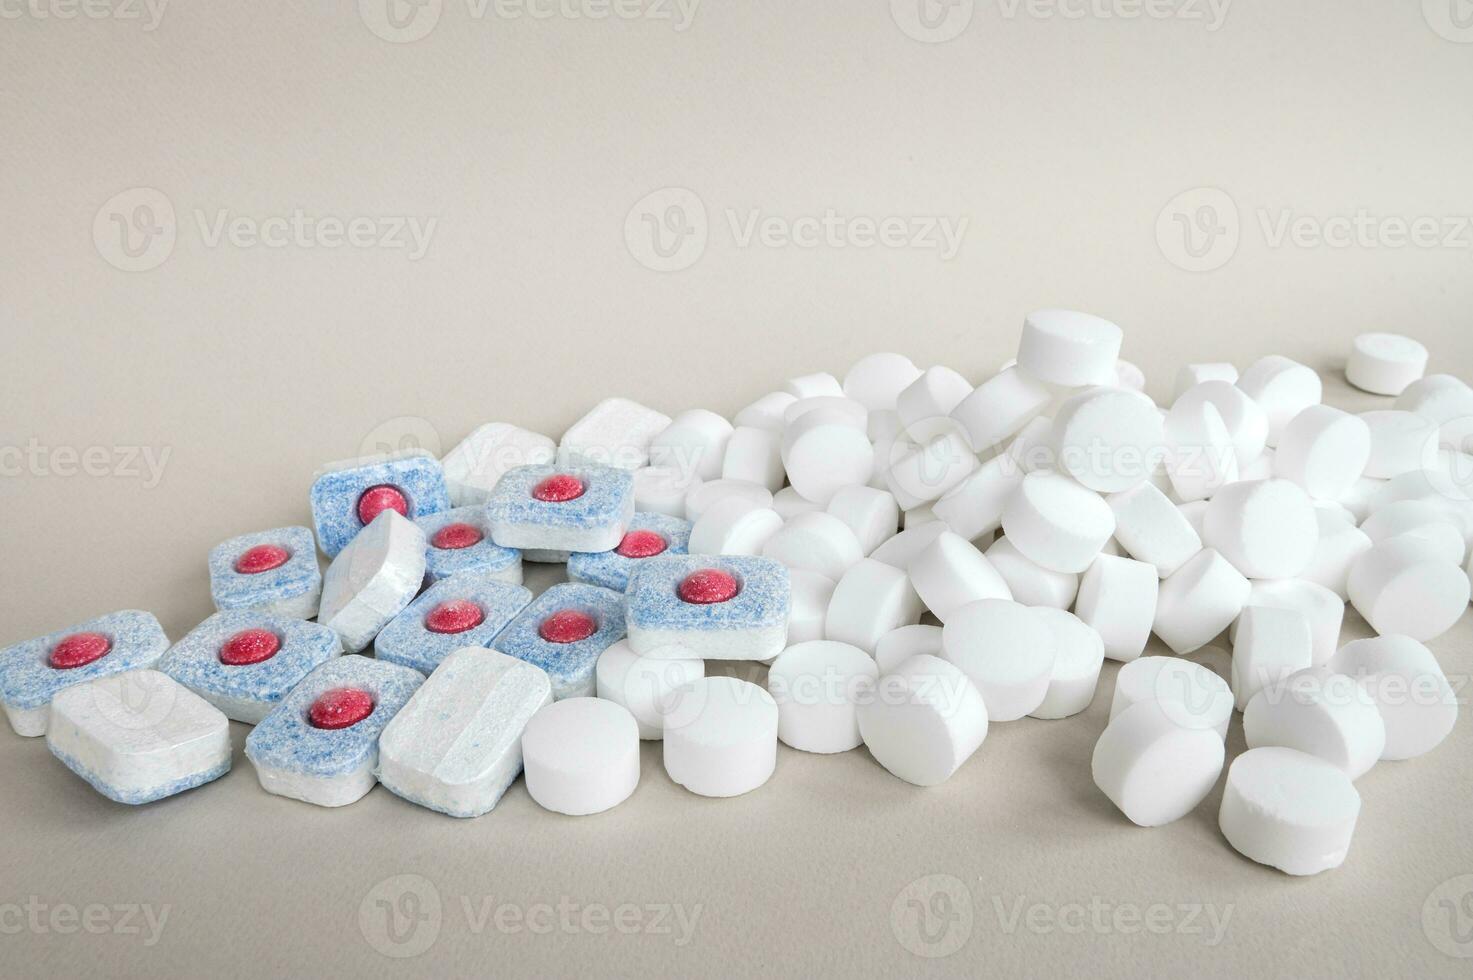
721,736
581,756
925,719
817,686
1289,810
1153,769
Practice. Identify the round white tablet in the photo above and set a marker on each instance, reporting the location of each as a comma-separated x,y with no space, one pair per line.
1245,419
1385,363
1192,695
873,515
869,601
1067,348
754,455
1152,529
1200,455
974,507
903,548
694,441
643,684
721,736
1324,450
1320,712
876,381
1117,596
1340,544
1191,375
1321,608
662,490
1289,810
1129,375
950,573
581,755
705,494
817,686
1001,406
1057,522
816,385
837,409
1198,601
790,503
817,541
1403,585
1006,650
1109,439
929,399
733,526
1282,388
1421,519
1266,528
922,473
1400,442
925,719
1029,582
1271,644
898,646
1078,655
822,455
1406,682
1153,769
766,412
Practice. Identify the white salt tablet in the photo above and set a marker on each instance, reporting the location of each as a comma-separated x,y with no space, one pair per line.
644,685
721,736
822,455
1440,397
1191,375
1261,468
1404,586
1198,601
1324,450
1107,438
836,409
705,494
1282,388
753,455
1153,769
1266,528
1320,712
766,412
1340,544
974,507
1057,522
1195,511
814,386
873,515
1289,810
1400,442
1271,644
1409,688
1245,419
809,608
924,720
1032,448
1067,348
1079,653
898,646
616,432
1006,650
817,687
733,526
1117,596
921,473
1361,495
581,756
903,548
1192,695
1422,519
1152,529
662,490
694,441
1129,375
1200,456
918,516
1385,363
869,601
929,400
1031,583
819,542
1000,407
950,573
1335,509
1323,609
876,381
790,503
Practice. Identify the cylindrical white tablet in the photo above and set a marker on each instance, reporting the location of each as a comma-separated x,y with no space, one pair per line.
1266,528
1340,544
1067,348
929,400
705,494
877,380
1153,769
898,646
817,686
950,573
1191,375
721,736
918,516
816,385
1195,511
1006,650
662,490
643,684
694,441
925,719
754,455
1320,712
1324,450
1282,388
581,755
1032,448
1117,596
733,526
1404,586
790,503
1361,495
1289,810
1129,375
903,548
1200,455
837,409
1440,397
1321,608
1400,442
921,473
766,412
1407,684
1057,522
1271,644
809,608
1152,529
1109,439
869,601
1199,601
873,515
816,541
1385,363
974,507
1423,519
1191,694
1001,406
1245,419
1029,582
1078,655
821,455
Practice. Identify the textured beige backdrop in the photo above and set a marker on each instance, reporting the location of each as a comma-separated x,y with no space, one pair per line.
208,286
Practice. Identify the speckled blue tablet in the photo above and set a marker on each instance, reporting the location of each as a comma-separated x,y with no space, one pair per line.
465,610
459,540
648,535
273,571
563,631
329,766
32,672
245,662
347,496
561,509
717,607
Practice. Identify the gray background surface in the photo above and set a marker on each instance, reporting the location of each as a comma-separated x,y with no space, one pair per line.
1068,145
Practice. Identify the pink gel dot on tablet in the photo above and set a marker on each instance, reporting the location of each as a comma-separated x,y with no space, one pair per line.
708,587
79,650
455,616
342,707
453,537
376,500
567,626
641,544
249,647
261,558
558,488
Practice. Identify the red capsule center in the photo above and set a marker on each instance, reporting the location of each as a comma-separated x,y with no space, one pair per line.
641,544
567,626
455,616
342,707
261,558
558,488
248,647
708,586
453,537
375,500
79,650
